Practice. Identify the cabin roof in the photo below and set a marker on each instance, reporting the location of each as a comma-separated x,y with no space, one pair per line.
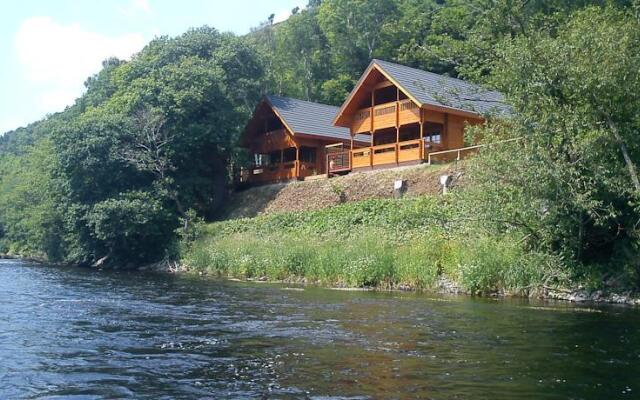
428,88
440,90
305,117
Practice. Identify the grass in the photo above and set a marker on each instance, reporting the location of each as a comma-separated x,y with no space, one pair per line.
374,243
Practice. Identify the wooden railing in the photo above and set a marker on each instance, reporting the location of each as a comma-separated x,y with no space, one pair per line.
384,154
339,161
361,158
362,121
451,155
385,115
273,172
459,154
409,150
409,112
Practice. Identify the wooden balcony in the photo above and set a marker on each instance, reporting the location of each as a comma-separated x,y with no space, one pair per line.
384,155
386,115
271,173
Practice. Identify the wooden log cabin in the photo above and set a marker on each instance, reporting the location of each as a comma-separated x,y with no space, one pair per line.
288,139
410,116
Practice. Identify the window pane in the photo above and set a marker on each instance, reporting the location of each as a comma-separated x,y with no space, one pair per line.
290,154
307,154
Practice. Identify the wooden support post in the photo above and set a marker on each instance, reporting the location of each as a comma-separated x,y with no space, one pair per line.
371,149
422,156
351,153
445,134
373,102
372,129
297,166
397,126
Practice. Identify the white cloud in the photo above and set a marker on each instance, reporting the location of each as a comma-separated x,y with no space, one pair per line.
283,15
135,7
58,58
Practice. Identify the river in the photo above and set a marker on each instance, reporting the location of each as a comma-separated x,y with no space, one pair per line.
81,334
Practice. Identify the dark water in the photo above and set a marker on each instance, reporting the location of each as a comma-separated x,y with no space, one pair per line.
70,333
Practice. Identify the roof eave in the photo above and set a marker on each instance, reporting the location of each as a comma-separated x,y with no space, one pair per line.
453,110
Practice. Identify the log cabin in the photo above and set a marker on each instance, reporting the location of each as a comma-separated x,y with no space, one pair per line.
410,116
288,139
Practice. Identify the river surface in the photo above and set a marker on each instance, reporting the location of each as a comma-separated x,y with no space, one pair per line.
80,334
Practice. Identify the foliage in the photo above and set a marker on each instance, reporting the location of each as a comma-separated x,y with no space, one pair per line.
30,217
150,139
383,243
570,181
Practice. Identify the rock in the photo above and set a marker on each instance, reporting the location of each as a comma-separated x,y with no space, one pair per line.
100,263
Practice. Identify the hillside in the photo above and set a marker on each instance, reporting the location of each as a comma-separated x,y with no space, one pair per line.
323,193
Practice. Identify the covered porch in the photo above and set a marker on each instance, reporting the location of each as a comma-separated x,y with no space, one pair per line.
295,161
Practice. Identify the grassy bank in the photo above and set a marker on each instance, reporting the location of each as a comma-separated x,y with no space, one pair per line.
378,243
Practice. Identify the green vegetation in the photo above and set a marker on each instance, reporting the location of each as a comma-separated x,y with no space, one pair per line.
149,149
384,243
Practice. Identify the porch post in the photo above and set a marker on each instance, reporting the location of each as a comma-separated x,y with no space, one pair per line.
445,134
372,128
351,153
397,126
371,149
422,133
297,168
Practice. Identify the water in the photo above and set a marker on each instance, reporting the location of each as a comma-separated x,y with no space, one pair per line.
73,333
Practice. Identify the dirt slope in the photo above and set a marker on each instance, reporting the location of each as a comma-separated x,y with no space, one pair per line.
311,195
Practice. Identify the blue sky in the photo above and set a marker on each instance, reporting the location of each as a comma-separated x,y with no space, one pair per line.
49,47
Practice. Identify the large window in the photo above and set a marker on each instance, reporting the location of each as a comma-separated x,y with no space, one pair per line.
433,133
289,154
308,154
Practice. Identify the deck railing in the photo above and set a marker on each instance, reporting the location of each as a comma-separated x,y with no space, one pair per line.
339,161
385,115
457,154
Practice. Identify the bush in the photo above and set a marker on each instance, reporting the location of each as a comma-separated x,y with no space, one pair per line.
381,243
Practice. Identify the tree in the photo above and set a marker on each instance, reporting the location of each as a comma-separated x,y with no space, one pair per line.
570,182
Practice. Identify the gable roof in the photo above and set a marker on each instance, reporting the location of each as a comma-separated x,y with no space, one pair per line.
305,117
428,88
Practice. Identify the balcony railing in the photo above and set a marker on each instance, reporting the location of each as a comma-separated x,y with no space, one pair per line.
385,115
339,161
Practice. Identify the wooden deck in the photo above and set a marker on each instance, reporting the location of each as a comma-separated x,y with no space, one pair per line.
280,172
385,155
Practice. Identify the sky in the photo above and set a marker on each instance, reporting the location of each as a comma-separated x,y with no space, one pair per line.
49,48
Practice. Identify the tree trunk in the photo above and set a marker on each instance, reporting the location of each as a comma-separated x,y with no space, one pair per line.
631,167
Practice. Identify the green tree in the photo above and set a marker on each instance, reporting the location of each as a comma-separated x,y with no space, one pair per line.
570,182
30,193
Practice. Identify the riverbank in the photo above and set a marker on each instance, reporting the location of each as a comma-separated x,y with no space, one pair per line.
408,244
442,286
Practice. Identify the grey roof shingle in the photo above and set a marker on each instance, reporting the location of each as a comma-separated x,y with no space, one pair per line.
440,90
310,118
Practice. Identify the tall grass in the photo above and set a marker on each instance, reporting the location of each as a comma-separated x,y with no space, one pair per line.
379,243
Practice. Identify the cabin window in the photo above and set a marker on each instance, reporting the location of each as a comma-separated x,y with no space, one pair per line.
433,133
260,160
289,155
308,154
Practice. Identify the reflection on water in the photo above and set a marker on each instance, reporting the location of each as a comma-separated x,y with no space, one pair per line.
84,334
